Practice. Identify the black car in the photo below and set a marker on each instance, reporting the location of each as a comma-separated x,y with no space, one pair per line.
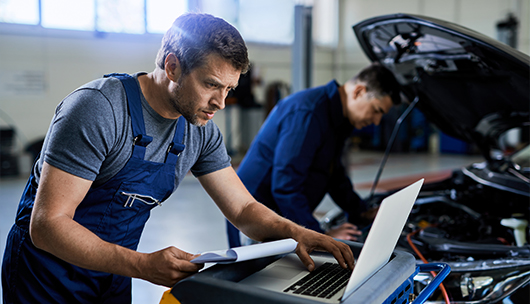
476,89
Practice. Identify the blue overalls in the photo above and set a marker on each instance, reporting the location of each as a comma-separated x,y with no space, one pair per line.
115,211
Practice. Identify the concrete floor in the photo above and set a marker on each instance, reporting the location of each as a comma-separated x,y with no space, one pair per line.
190,220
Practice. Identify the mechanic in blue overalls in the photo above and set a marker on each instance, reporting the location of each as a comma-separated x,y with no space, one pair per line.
295,160
119,146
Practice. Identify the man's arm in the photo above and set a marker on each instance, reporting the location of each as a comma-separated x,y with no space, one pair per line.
53,229
260,223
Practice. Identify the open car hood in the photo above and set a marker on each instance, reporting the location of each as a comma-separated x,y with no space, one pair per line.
470,86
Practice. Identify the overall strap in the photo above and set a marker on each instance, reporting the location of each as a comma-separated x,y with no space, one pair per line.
178,141
141,139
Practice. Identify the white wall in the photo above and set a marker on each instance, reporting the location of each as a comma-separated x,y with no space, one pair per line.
64,63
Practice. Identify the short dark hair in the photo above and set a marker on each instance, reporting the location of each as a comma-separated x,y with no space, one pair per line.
194,36
380,81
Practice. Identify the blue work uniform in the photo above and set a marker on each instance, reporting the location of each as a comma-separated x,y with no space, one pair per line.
295,159
115,211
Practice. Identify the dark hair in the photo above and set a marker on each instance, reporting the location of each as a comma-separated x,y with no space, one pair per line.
194,36
380,81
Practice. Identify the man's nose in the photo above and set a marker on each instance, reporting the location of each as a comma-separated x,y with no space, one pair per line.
218,100
377,119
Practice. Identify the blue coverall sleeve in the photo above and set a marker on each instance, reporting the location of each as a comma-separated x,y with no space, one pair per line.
297,144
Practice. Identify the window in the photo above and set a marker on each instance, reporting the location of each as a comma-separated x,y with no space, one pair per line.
325,22
67,14
270,21
19,11
226,9
160,14
267,21
120,16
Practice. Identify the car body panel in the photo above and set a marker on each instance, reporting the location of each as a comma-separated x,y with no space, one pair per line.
469,85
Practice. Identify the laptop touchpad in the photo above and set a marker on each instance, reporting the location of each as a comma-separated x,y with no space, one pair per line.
281,272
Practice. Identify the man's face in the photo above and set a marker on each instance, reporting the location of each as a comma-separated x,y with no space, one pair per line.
363,109
202,92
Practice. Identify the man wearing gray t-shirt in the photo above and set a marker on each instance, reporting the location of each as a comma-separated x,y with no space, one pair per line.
119,146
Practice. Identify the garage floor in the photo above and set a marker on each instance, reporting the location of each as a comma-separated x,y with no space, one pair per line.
190,220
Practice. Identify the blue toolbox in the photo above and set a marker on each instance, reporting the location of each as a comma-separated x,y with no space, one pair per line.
392,284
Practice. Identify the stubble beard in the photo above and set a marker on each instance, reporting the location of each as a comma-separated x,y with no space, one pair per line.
186,109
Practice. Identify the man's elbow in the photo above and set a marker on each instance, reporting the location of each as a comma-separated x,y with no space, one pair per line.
37,232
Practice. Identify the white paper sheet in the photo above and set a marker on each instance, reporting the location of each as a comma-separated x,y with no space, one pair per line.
250,252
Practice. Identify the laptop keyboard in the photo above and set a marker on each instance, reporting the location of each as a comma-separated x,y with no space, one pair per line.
323,282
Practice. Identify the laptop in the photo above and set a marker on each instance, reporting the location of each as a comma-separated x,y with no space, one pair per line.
288,274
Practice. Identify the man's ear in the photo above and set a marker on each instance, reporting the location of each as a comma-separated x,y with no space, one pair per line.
172,67
358,90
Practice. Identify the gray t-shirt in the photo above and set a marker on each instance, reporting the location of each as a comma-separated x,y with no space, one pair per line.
90,136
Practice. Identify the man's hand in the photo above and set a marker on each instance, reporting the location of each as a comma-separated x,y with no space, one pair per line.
167,266
346,231
309,240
